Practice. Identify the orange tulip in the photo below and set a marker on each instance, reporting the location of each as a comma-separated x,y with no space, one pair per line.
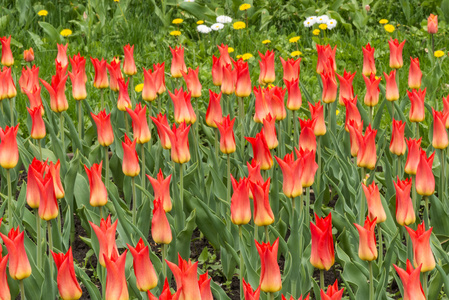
332,292
78,64
291,174
55,173
115,73
354,128
104,128
309,166
179,141
217,71
227,139
35,98
161,121
166,293
269,131
58,100
425,181
405,213
422,253
214,112
261,152
224,54
414,151
391,87
367,241
292,68
98,192
346,88
397,143
130,164
185,274
116,286
369,66
439,140
28,55
414,74
263,215
161,188
243,82
38,126
48,206
307,138
19,266
317,113
277,103
229,79
432,24
129,66
106,239
322,253
159,69
123,101
141,132
417,113
266,63
204,285
150,87
101,75
68,286
9,151
192,82
78,85
352,112
396,61
372,90
7,57
183,107
375,209
249,293
329,86
160,228
294,98
34,178
146,277
4,288
270,274
411,282
366,157
29,80
262,104
324,53
62,55
177,63
240,205
9,88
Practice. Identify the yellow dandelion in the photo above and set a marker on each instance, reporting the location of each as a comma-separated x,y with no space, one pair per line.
266,42
200,22
438,53
66,32
296,53
177,21
175,33
245,6
116,0
239,56
247,56
316,32
323,26
230,49
139,88
383,21
337,112
42,13
389,28
239,25
294,39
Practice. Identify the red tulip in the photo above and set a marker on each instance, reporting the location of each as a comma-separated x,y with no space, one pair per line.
130,164
159,69
160,228
317,113
396,61
417,113
106,239
439,140
391,87
425,181
266,63
414,151
204,285
217,71
161,188
262,104
123,101
263,215
48,205
116,286
446,109
291,174
346,88
270,274
177,63
146,277
277,103
34,179
254,174
367,241
55,173
179,141
397,143
150,86
58,100
411,282
414,74
4,288
324,53
62,55
332,292
405,213
68,286
269,131
129,66
78,85
309,166
101,75
366,157
307,138
28,55
369,66
243,82
29,80
329,86
115,73
183,107
98,192
141,132
161,121
19,266
35,98
7,57
166,293
261,152
354,128
9,88
352,112
372,90
192,82
185,274
214,112
422,254
432,24
322,253
240,205
292,68
224,54
375,209
294,98
229,79
249,293
78,64
104,128
9,151
227,139
38,126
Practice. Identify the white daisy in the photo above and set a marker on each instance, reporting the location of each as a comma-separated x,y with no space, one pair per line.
217,26
322,19
309,23
224,19
189,0
203,29
331,24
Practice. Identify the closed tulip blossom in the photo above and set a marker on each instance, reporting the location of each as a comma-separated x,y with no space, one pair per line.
333,293
330,87
422,253
369,66
9,88
411,282
180,152
324,53
229,79
405,213
19,265
292,68
270,274
432,24
309,166
116,285
414,74
367,240
7,57
159,69
130,164
58,100
413,155
367,157
397,143
240,205
141,132
160,227
322,252
4,288
104,128
217,71
185,274
62,55
101,74
249,293
439,139
177,63
183,107
150,87
391,86
115,74
277,102
375,209
34,98
214,112
204,285
123,101
307,138
355,129
352,112
161,121
263,105
161,188
243,82
98,193
227,139
38,125
291,174
29,80
192,82
346,88
9,151
129,66
78,64
317,114
68,286
263,215
266,63
254,174
78,85
425,180
372,90
224,54
396,61
294,97
261,152
106,239
269,131
35,177
48,206
55,170
146,277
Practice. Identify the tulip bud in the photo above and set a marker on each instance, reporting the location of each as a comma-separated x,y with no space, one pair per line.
150,88
324,53
414,151
192,82
38,126
129,66
224,54
9,151
294,98
115,73
254,174
261,152
432,24
116,286
352,112
243,82
204,285
375,208
367,241
55,174
346,88
417,113
372,90
269,131
58,100
130,164
391,87
160,228
263,215
19,266
227,140
414,74
214,112
439,140
78,85
29,80
7,57
240,205
367,157
161,121
68,286
291,174
397,143
180,152
422,253
396,61
34,179
307,138
62,55
98,192
425,181
277,103
309,166
183,107
317,114
411,282
270,274
217,71
262,104
146,277
354,128
161,188
267,72
405,213
28,55
159,69
48,206
177,63
123,101
229,79
106,239
104,128
322,253
330,87
292,68
369,66
78,64
141,132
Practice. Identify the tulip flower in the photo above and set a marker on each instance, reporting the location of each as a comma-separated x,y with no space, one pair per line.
262,104
165,294
405,213
266,63
150,87
183,107
29,80
229,80
185,274
214,112
375,209
58,100
422,254
19,266
309,166
161,121
240,205
263,215
161,188
414,74
98,192
141,132
116,286
28,55
300,298
104,128
396,61
329,87
7,57
78,64
372,90
129,66
62,55
204,285
307,138
114,73
192,82
106,239
354,127
35,98
417,113
369,66
9,151
160,228
78,85
217,71
414,151
38,126
446,109
123,101
391,87
177,63
317,113
8,90
411,282
227,139
179,141
48,206
367,241
249,293
324,53
159,69
243,82
294,98
346,88
291,174
224,54
261,152
130,164
270,274
292,68
439,140
397,143
366,156
146,277
332,292
277,103
4,288
425,181
34,178
68,286
254,174
322,253
101,75
432,24
55,174
352,112
269,131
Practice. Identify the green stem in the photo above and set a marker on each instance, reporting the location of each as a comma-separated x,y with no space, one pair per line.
134,214
103,281
126,123
181,197
424,283
228,180
307,217
322,279
426,212
150,123
293,211
159,104
40,149
11,111
216,143
381,245
392,116
131,89
371,112
417,130
441,187
271,296
329,122
415,206
80,120
242,128
22,290
399,166
301,211
102,98
371,281
10,209
101,212
50,245
241,261
318,177
164,255
143,169
256,232
106,171
267,236
362,200
61,131
38,240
